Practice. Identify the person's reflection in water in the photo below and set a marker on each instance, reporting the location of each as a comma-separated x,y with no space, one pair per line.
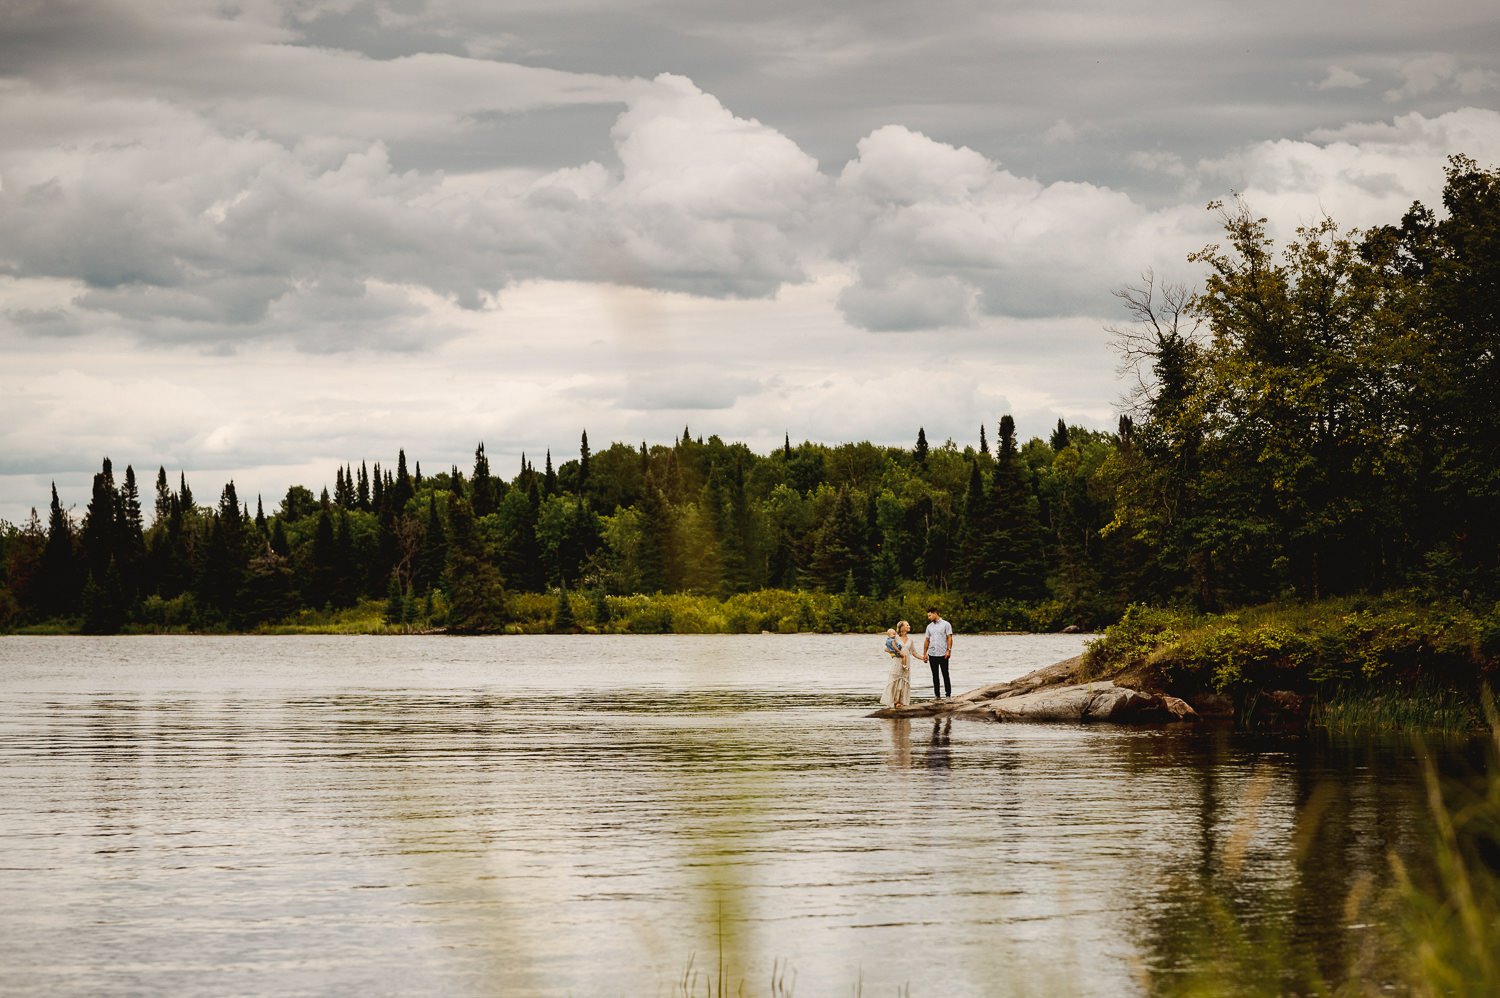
938,757
900,754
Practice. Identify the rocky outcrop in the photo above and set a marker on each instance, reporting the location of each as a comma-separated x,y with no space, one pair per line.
1054,694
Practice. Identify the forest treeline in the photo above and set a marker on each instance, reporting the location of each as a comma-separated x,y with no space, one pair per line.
1319,419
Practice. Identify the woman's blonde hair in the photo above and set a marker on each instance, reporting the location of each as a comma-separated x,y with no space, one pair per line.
901,623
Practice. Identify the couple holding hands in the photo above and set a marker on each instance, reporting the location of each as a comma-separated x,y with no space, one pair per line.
937,646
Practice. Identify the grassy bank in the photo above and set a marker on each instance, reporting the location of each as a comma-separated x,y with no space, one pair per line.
1393,662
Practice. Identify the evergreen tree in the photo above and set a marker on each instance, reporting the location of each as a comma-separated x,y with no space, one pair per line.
346,576
362,496
402,490
100,535
583,464
1011,555
130,551
976,521
395,602
59,570
563,620
483,492
656,557
1060,436
984,445
549,477
520,555
840,542
269,591
279,543
321,582
920,451
476,593
104,604
163,496
434,555
185,494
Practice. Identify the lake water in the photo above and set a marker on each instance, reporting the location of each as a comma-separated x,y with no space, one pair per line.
633,815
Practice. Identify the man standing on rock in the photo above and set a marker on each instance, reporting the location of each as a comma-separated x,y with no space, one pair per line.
936,649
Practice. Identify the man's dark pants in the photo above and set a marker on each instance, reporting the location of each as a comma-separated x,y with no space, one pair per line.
939,665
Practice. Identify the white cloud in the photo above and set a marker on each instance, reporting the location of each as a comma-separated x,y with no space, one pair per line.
1341,78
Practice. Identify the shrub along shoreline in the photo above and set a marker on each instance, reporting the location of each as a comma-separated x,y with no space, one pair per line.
780,611
1394,662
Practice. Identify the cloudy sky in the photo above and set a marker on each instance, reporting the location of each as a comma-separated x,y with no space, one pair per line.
258,239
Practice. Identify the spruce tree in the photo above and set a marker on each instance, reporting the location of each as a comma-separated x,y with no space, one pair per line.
655,557
163,496
476,602
549,477
59,570
583,464
100,534
402,490
920,451
984,445
1060,436
975,523
1012,555
838,550
434,554
320,588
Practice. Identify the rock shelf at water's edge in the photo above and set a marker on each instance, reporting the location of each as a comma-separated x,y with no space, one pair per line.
1055,693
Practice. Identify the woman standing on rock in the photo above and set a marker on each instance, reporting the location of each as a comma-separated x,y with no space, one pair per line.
898,684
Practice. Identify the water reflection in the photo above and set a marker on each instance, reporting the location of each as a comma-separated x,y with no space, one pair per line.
419,816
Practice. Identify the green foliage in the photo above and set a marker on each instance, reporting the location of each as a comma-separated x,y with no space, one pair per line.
1405,658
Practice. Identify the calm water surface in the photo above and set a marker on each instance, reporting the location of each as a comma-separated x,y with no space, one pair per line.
615,815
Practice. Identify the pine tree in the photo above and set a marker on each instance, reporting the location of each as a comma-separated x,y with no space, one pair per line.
1060,436
984,445
655,558
362,497
402,490
163,496
434,555
100,534
549,477
319,592
185,494
839,547
1012,556
976,521
346,579
130,552
476,591
483,493
279,542
59,569
920,451
583,464
104,604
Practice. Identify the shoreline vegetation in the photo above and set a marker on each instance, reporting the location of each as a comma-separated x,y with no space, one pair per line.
1298,510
